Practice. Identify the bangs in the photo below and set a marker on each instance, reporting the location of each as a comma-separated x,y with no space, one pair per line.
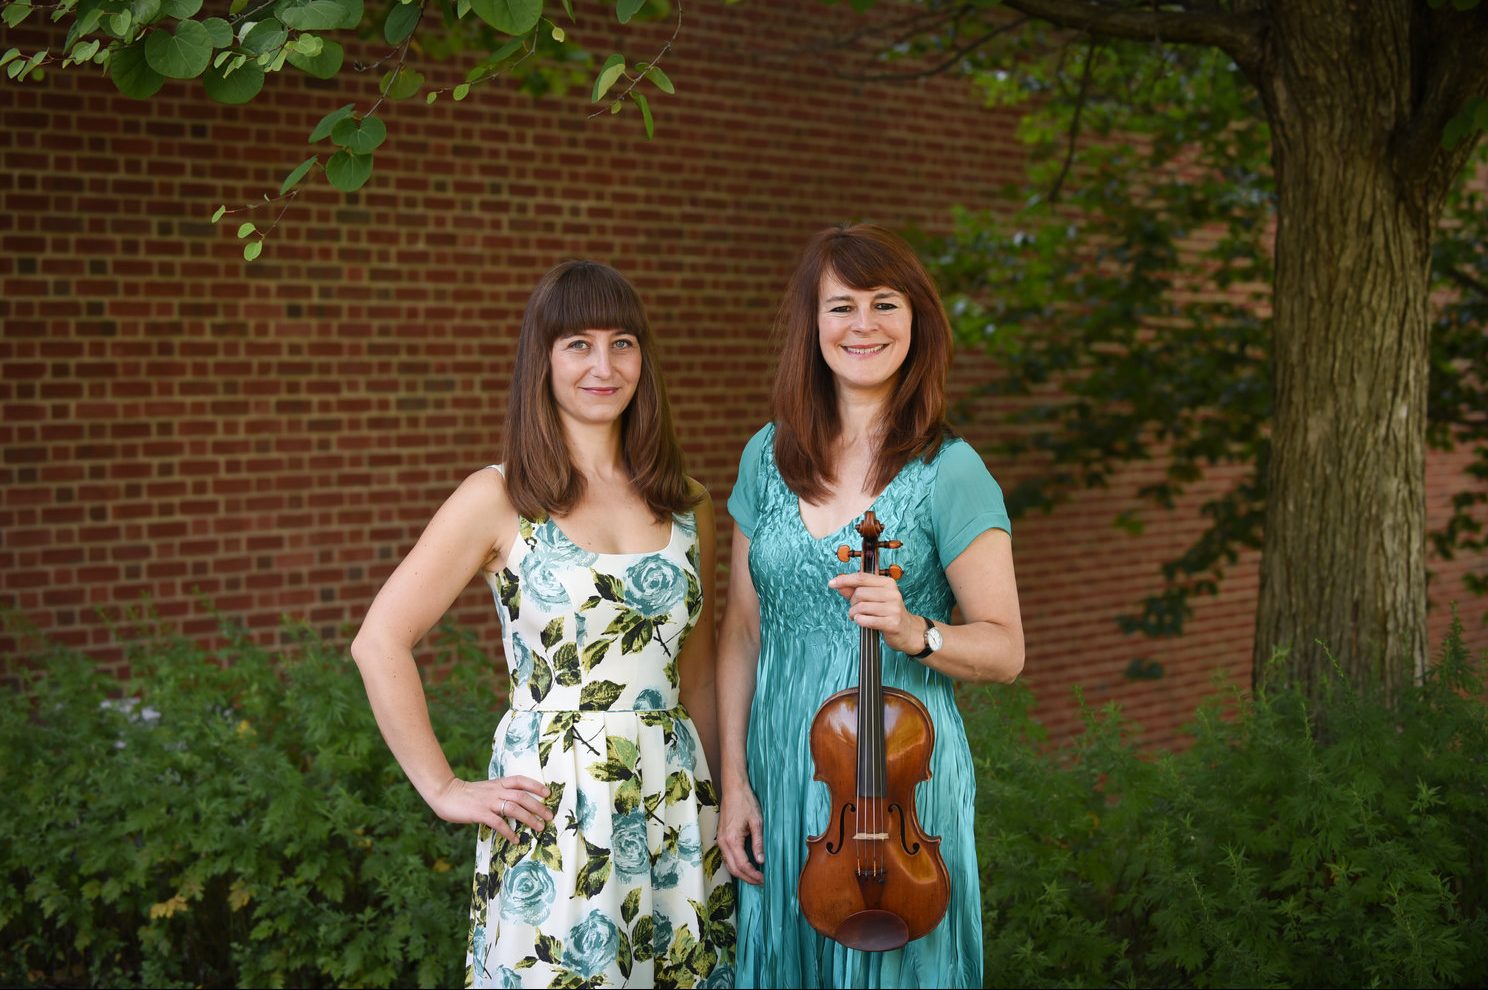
586,295
862,263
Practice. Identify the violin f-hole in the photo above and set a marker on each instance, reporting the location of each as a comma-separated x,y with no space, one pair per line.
841,827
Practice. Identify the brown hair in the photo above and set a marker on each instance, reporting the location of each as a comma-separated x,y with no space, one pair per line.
804,409
540,475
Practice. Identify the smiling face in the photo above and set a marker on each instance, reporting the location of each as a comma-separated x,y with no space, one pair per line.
864,334
594,375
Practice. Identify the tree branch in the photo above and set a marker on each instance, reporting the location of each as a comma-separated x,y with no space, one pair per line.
1238,34
1454,71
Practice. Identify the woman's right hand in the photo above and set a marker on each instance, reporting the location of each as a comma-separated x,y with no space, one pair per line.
495,803
739,822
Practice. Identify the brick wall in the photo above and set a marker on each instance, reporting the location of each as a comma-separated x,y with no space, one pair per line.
180,426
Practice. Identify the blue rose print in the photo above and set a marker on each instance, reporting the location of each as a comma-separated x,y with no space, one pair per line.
527,893
542,582
686,522
628,845
591,945
478,944
661,934
520,661
509,979
654,586
667,869
722,976
648,699
690,844
522,732
585,813
493,772
681,750
553,544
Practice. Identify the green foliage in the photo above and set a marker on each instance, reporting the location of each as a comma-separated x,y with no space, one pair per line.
1127,299
233,818
228,819
1265,854
145,43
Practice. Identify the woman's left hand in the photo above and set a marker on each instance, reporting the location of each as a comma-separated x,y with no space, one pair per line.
875,603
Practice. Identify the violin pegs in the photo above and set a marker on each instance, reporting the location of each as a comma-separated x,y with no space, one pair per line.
846,553
892,571
892,544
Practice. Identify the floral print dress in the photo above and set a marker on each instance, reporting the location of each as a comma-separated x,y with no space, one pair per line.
626,886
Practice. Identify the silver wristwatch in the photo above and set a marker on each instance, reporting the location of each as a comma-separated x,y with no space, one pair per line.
932,640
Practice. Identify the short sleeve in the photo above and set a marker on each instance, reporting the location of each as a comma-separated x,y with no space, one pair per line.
744,500
965,501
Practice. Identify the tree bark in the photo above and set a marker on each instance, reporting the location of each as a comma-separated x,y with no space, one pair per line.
1343,575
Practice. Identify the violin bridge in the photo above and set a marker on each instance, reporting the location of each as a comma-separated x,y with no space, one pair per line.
872,835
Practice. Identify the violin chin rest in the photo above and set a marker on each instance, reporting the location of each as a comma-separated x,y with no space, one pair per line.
872,931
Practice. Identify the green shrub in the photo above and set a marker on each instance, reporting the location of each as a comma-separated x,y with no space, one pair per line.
228,818
1258,856
233,818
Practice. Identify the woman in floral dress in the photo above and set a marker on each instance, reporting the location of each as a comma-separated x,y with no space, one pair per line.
596,860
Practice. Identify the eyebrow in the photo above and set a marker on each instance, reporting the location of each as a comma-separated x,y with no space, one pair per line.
878,295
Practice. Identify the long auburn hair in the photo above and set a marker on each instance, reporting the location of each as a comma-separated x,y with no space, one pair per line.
804,408
540,474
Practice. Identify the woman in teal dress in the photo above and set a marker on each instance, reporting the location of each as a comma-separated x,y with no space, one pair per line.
596,857
858,423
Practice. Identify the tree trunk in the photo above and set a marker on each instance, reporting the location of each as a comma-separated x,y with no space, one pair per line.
1343,579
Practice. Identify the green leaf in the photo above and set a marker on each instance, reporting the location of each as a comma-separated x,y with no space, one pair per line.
219,31
240,86
322,66
558,35
181,8
506,51
244,229
608,73
679,786
132,74
217,214
252,250
661,79
541,681
432,95
183,55
236,6
361,137
636,637
626,9
402,83
595,873
566,669
265,36
329,122
598,696
300,171
643,935
509,16
145,11
622,749
595,652
610,770
548,948
16,12
309,45
348,172
120,23
552,632
609,587
640,101
461,91
631,905
311,15
352,16
628,796
401,21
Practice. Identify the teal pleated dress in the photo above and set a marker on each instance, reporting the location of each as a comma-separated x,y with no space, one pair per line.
808,651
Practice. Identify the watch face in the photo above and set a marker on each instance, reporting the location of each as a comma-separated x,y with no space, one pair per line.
932,638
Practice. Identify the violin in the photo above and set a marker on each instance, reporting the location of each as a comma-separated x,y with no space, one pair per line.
873,879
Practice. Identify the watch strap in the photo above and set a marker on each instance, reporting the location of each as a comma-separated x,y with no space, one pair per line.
927,650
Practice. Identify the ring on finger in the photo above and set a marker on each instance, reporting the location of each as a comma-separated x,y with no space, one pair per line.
502,811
